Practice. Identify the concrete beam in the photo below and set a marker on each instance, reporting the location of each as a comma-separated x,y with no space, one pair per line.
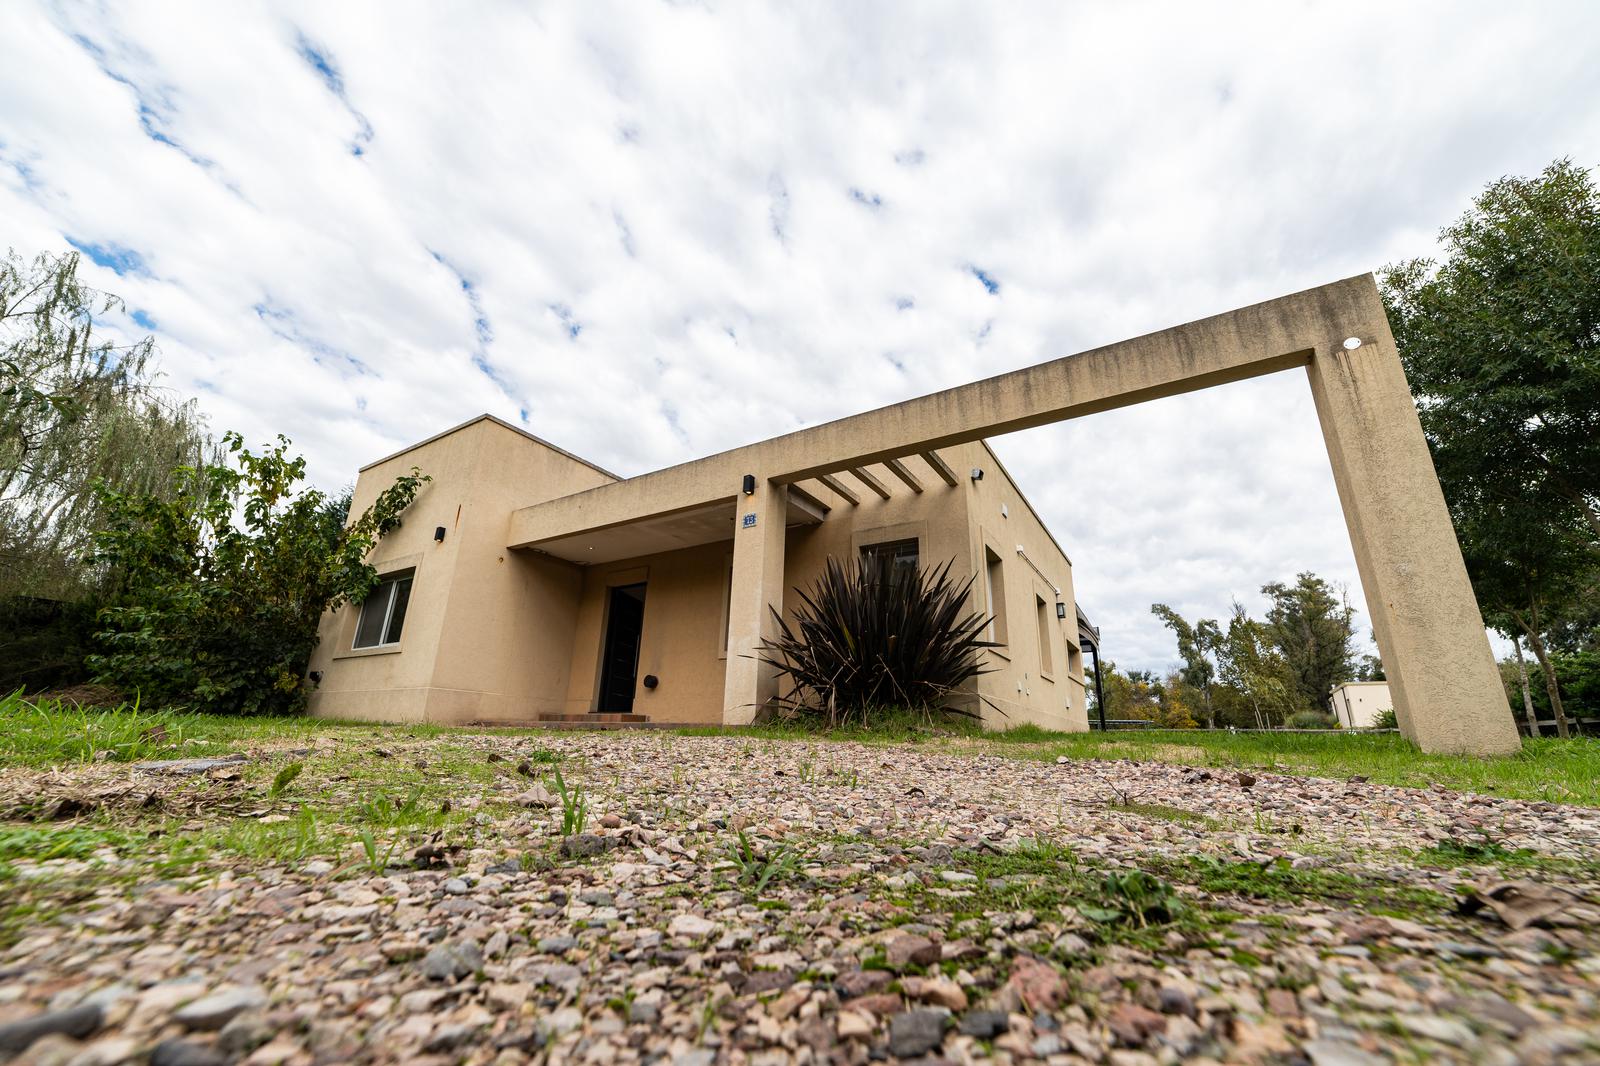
837,487
1266,337
869,481
901,471
940,467
807,502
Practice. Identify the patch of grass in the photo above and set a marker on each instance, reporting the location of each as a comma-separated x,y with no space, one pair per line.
285,778
758,866
574,807
1280,881
1165,813
41,844
1134,897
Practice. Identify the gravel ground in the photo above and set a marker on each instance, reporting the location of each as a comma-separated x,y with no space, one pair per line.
749,901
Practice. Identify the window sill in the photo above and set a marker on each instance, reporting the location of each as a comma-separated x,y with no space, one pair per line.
1047,677
361,653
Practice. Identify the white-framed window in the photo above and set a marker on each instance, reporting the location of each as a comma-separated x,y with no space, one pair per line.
383,612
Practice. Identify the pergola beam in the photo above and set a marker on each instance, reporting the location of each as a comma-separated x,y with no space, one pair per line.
869,481
899,470
837,488
940,467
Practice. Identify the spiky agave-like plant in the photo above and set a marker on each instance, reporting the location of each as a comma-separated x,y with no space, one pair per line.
870,635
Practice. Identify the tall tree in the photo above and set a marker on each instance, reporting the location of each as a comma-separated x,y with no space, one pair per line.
1197,644
1501,342
76,410
1249,664
1311,624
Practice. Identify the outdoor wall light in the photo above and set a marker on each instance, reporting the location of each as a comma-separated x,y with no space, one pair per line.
316,677
438,534
749,484
1061,610
977,473
651,681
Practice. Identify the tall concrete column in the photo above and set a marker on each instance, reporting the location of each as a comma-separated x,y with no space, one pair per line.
1442,674
757,588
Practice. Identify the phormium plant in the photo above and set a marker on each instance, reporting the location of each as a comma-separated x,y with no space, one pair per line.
871,635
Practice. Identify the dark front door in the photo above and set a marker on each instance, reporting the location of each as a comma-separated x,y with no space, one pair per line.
619,657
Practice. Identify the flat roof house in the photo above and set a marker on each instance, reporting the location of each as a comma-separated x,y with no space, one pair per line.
480,619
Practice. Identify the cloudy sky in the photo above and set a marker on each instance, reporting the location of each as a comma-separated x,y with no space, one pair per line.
651,231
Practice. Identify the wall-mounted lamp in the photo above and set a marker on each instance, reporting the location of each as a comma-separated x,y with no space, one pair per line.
651,681
316,677
977,473
1061,610
749,484
438,534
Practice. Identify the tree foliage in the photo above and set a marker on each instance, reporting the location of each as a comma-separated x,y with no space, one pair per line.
1197,644
1312,625
76,410
221,586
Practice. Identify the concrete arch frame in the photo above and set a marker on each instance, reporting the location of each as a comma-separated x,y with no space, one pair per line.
1429,629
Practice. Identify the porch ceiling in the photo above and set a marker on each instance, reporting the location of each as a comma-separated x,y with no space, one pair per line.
663,533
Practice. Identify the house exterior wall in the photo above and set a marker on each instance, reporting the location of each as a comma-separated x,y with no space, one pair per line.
1357,704
682,642
1029,684
487,634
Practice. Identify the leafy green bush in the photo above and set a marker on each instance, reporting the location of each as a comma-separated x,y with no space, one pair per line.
872,635
1312,720
1385,719
220,613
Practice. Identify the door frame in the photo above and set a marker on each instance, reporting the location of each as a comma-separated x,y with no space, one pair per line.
612,589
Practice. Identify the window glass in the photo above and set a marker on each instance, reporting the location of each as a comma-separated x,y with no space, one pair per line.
383,612
397,613
897,553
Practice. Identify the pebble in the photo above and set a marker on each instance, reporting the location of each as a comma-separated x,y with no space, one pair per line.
212,1012
452,962
916,1032
185,1053
76,1022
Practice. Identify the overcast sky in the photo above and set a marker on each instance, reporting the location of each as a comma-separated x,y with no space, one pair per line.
652,231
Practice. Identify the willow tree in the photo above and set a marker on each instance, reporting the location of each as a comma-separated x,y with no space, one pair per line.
77,409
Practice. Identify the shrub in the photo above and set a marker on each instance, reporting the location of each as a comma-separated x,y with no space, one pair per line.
871,635
220,589
1312,720
1385,719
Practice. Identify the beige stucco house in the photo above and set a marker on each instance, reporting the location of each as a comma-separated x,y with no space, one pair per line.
474,623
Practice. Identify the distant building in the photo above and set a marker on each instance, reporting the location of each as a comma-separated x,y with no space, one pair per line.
1357,704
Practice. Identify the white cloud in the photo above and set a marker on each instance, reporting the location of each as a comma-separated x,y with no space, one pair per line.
666,230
